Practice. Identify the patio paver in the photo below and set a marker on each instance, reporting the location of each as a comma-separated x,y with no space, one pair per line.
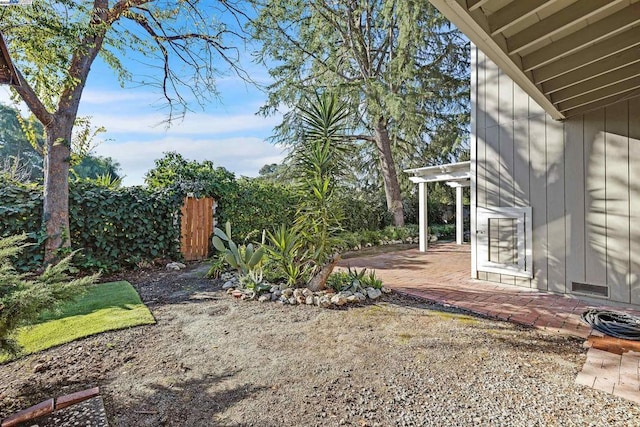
442,275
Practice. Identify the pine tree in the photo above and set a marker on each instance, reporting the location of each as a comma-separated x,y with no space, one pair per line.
23,298
399,63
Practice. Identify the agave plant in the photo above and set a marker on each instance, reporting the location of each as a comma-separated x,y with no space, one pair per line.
245,259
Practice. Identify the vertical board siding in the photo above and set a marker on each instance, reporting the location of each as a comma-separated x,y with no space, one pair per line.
492,166
617,199
581,177
473,146
555,176
481,126
634,200
595,194
538,199
574,201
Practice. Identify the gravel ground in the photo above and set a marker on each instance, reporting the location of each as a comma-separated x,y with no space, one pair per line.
212,360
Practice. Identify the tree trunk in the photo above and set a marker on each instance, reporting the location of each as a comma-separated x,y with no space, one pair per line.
56,187
389,175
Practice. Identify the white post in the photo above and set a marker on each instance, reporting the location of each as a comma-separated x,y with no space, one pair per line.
459,216
422,212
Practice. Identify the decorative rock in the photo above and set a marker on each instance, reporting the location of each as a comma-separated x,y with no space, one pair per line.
228,284
237,293
373,293
230,291
385,290
283,299
277,292
352,298
360,296
275,296
307,292
297,293
292,301
175,266
316,300
275,288
287,292
309,300
265,298
339,299
324,302
301,299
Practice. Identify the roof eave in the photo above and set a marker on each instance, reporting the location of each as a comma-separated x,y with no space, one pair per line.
457,13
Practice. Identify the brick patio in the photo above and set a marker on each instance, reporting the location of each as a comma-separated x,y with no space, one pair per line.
442,275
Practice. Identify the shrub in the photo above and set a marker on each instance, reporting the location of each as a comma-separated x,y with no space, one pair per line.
122,227
256,205
23,298
117,228
21,213
443,231
354,280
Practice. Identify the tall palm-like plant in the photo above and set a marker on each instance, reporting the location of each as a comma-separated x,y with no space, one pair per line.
320,161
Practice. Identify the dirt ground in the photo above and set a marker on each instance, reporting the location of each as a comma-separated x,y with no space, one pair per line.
211,360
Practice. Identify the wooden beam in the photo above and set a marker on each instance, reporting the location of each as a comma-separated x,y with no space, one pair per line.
604,66
476,30
602,103
603,93
557,22
600,50
475,4
600,30
513,13
596,83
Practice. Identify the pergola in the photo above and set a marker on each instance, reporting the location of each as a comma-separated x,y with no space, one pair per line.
457,175
569,56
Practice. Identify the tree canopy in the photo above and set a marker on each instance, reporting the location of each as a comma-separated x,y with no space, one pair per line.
54,43
400,65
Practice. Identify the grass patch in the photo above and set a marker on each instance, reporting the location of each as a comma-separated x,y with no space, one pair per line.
104,307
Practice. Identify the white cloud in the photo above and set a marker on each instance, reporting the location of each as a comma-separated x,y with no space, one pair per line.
103,96
193,124
241,155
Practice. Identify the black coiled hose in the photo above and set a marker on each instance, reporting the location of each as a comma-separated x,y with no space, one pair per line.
613,323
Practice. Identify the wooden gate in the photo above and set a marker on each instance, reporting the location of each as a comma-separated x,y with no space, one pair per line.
196,227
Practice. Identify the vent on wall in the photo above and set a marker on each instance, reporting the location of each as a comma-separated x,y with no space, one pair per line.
592,290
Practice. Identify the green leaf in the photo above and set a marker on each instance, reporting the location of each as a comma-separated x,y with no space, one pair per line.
221,234
257,257
228,256
217,243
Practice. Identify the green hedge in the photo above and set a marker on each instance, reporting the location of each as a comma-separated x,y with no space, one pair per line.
122,227
255,205
115,228
21,212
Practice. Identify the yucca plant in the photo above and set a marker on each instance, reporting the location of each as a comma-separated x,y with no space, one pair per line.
320,160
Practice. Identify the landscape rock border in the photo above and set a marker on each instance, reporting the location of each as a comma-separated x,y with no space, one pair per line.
300,296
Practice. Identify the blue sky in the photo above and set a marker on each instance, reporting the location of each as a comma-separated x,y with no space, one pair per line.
226,131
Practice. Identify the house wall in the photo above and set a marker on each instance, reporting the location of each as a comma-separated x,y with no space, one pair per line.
581,177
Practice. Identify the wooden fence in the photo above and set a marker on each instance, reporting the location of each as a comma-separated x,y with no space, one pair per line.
196,227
